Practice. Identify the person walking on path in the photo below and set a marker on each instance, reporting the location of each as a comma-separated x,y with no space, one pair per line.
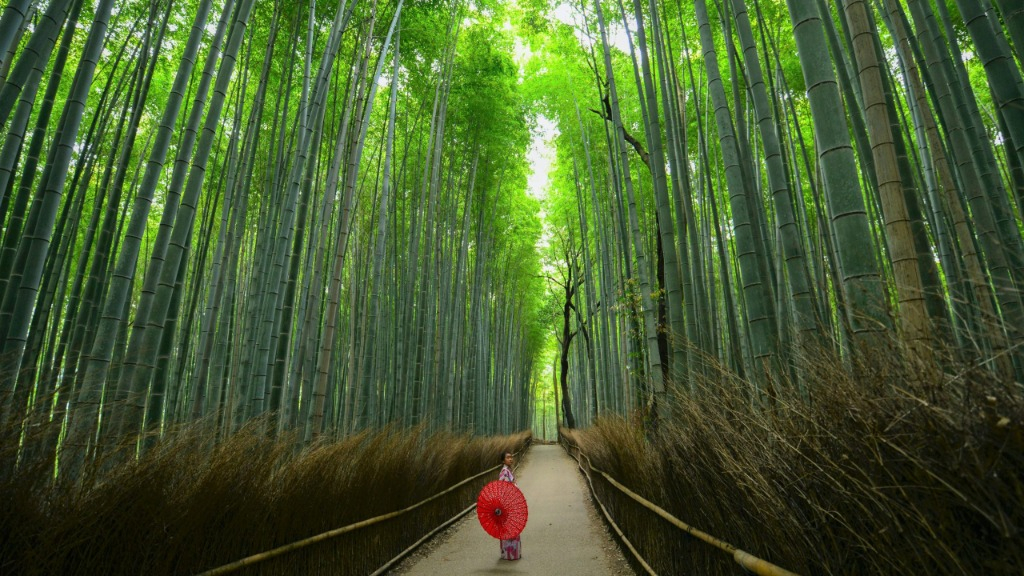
510,549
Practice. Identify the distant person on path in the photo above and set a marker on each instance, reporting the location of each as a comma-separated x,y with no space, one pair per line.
510,549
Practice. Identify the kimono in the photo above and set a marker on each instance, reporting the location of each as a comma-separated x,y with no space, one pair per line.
510,549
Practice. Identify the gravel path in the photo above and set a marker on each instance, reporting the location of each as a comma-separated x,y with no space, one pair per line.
564,535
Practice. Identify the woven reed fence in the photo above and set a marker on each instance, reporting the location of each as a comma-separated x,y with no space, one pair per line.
370,546
659,542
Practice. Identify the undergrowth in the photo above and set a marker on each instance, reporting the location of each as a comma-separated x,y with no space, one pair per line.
188,506
895,471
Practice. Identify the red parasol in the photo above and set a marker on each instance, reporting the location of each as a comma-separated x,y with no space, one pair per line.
501,508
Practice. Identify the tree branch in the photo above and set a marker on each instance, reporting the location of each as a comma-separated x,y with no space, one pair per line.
637,145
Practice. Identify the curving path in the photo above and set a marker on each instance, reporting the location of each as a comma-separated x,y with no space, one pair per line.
564,535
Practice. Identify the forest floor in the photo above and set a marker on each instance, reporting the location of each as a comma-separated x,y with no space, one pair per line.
564,534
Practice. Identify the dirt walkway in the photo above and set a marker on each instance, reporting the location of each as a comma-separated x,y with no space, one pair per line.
564,535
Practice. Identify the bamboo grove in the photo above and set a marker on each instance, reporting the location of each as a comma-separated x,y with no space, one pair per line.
309,213
755,185
315,214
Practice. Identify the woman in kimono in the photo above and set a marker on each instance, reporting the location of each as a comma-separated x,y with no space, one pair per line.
510,549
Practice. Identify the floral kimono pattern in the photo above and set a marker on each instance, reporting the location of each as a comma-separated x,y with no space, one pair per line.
510,549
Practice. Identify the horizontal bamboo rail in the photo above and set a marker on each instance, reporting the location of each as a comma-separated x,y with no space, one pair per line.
262,556
745,559
384,569
611,521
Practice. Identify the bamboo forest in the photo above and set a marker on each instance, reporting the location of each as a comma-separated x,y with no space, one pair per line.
269,269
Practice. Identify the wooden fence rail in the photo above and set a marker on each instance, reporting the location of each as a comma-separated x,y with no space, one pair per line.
330,534
745,559
263,557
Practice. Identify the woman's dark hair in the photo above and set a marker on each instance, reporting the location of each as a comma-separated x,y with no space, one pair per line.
503,454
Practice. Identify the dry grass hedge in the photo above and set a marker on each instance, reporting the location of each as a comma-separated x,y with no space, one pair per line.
891,472
188,506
